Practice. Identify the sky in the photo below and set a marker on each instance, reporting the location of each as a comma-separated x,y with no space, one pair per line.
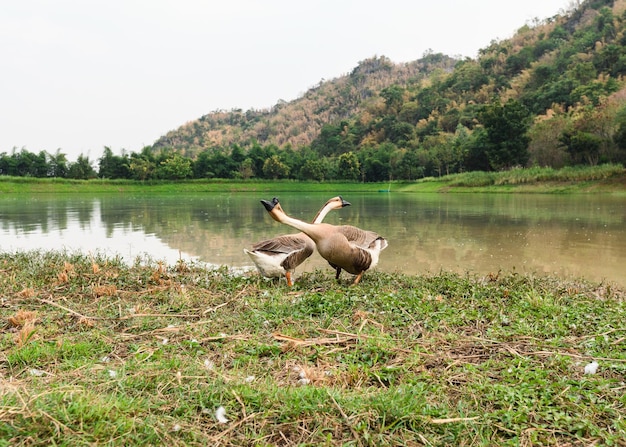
78,75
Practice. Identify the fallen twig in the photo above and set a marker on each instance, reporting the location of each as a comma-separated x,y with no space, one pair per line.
127,317
213,309
67,309
451,420
312,341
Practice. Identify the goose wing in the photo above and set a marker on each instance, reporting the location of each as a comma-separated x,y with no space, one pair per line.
281,244
296,247
362,238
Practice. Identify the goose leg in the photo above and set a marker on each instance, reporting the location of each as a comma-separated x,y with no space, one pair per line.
357,278
338,272
288,276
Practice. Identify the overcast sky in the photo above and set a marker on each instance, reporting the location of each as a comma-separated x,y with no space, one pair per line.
79,75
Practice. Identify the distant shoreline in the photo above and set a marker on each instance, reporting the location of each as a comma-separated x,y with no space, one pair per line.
597,179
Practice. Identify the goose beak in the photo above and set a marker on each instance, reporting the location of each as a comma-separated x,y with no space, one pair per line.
344,202
269,205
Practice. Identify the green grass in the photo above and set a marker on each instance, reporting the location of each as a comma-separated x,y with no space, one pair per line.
38,185
608,177
95,352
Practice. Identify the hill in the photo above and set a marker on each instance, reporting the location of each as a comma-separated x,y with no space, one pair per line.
297,123
552,95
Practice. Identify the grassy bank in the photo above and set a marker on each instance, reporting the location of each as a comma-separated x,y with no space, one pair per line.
96,352
22,185
604,178
587,179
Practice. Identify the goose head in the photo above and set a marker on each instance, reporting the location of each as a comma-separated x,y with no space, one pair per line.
337,202
276,211
271,204
273,207
334,204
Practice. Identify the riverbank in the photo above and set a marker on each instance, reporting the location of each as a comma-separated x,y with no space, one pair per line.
98,352
596,179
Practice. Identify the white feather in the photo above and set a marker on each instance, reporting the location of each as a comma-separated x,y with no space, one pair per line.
591,368
268,266
220,415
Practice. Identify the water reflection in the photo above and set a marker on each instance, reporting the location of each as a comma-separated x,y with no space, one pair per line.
567,235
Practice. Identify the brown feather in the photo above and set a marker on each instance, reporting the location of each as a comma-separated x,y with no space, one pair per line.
359,237
298,257
283,244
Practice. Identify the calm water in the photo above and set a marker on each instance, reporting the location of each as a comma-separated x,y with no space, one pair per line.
581,235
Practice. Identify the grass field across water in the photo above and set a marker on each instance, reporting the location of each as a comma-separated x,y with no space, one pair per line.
96,352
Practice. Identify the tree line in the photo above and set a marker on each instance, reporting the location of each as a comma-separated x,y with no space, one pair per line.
504,137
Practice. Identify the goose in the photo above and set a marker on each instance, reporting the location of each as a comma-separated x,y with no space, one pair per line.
343,246
281,255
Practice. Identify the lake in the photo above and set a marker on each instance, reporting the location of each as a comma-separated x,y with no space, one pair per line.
570,235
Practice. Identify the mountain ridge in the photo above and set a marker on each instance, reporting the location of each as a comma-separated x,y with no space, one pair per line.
298,122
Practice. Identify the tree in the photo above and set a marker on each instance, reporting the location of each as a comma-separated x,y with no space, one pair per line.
407,168
545,147
620,133
113,166
328,140
476,148
506,134
39,165
445,155
468,75
22,163
5,164
176,167
57,164
313,169
259,155
393,96
349,166
246,169
81,169
202,166
141,168
589,136
582,146
237,154
274,168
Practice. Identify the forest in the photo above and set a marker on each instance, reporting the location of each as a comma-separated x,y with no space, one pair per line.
552,95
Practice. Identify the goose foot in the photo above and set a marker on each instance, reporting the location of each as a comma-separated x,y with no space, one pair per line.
357,279
289,281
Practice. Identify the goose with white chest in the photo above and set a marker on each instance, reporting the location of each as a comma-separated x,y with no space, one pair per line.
343,246
281,255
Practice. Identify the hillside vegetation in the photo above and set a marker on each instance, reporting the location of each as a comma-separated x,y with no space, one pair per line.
298,123
553,95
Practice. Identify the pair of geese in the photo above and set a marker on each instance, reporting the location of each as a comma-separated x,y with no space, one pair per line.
345,247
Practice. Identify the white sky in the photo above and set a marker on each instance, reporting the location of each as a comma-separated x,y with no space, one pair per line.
78,75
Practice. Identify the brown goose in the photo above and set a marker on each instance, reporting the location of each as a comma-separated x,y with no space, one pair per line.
281,255
344,247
